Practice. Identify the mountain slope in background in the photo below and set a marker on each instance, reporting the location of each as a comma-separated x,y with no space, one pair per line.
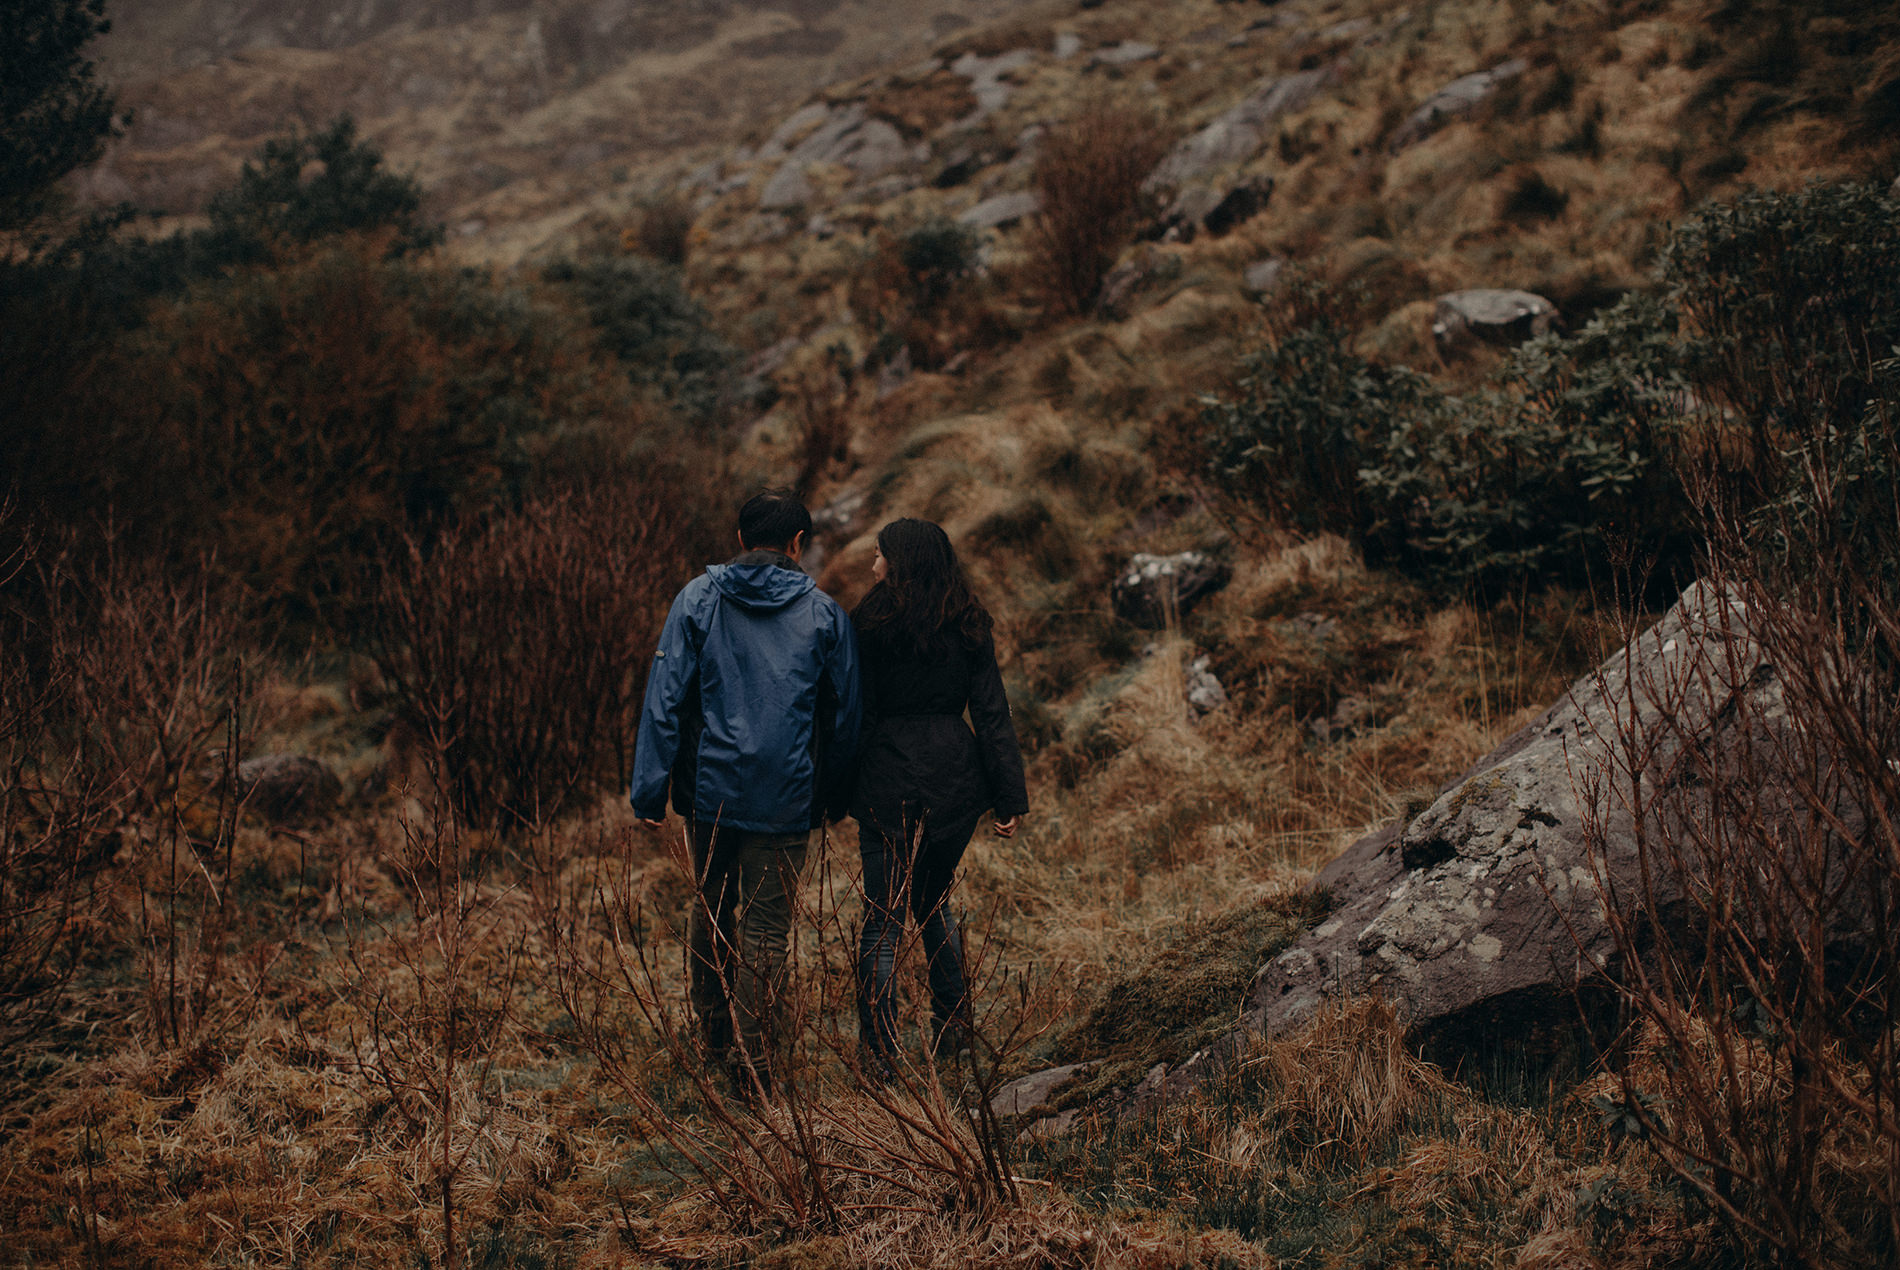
516,115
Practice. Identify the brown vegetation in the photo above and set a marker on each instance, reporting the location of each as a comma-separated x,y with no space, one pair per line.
515,651
447,1024
1088,176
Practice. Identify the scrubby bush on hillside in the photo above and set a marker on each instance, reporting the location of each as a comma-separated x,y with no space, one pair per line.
1088,176
296,423
57,117
1564,467
304,188
1793,294
515,651
662,337
1759,351
936,256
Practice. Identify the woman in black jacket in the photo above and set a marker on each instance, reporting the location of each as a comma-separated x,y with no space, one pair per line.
925,776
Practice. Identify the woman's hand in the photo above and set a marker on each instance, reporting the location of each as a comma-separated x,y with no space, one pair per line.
1007,828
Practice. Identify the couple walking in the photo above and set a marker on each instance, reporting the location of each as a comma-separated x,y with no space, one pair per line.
769,712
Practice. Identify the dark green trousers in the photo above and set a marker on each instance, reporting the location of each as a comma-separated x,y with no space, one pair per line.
737,936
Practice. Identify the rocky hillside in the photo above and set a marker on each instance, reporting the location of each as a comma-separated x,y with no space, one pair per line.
520,116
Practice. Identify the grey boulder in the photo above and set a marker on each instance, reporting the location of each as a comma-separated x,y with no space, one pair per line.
847,137
1486,914
1494,316
1238,134
1460,97
1002,211
1151,591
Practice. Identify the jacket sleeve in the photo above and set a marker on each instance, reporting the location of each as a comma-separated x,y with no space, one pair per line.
669,682
996,737
842,675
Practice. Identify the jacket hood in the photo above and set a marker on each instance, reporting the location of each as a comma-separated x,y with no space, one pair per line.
760,584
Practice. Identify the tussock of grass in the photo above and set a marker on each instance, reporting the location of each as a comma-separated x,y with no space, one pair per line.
1338,1147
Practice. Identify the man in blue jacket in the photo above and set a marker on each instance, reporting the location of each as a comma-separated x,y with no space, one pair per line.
751,715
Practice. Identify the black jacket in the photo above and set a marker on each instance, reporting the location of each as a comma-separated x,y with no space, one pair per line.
918,758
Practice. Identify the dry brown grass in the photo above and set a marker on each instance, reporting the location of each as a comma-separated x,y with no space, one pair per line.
278,1142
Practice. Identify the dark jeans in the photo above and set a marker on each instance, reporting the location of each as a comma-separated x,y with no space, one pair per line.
910,875
736,936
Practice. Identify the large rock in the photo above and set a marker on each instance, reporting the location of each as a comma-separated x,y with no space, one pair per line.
1154,590
989,79
287,787
1494,316
846,137
1487,911
1127,53
1460,97
1237,134
1002,211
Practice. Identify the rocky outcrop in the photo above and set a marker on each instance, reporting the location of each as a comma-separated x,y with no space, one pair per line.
286,788
1460,97
1201,687
1238,134
1493,316
1154,590
1126,53
1488,907
1002,211
844,135
1263,276
1484,918
989,79
1214,209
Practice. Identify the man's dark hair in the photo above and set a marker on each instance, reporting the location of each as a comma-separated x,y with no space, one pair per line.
772,518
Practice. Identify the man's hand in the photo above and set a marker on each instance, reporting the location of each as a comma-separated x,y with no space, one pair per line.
654,824
1007,828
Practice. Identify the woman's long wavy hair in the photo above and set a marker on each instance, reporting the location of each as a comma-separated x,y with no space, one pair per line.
924,604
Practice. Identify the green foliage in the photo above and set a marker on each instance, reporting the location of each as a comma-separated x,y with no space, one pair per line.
293,423
53,117
279,200
662,337
1304,419
1794,295
1561,470
301,191
936,256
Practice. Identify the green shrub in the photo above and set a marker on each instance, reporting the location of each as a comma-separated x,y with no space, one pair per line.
936,256
57,117
304,188
1304,419
1561,470
1793,294
662,337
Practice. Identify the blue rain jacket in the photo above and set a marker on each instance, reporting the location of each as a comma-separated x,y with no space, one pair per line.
751,710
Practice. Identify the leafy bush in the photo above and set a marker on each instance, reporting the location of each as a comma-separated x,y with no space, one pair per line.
1793,295
57,118
305,188
295,423
663,338
1760,348
1561,470
936,256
